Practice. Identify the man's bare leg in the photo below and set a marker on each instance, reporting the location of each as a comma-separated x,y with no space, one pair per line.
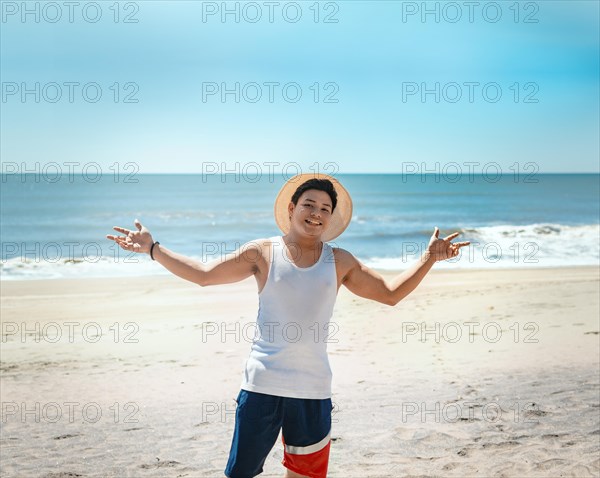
292,474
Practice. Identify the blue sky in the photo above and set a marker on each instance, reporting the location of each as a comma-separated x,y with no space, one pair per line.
368,58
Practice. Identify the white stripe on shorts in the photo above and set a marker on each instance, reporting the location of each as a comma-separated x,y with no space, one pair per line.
307,450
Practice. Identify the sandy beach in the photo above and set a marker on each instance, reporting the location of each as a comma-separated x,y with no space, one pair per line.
487,373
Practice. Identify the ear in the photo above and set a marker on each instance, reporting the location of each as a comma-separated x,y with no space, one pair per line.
290,209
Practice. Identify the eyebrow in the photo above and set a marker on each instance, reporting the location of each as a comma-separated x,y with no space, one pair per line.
312,200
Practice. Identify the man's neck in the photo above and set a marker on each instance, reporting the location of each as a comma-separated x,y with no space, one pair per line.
311,243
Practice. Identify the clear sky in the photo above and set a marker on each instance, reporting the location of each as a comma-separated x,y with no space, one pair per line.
360,68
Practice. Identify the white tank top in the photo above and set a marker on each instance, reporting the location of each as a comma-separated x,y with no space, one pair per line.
288,356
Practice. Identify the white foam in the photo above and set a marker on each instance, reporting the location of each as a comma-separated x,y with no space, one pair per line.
498,246
24,269
508,246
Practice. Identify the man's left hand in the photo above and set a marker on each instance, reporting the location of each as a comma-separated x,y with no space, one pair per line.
442,249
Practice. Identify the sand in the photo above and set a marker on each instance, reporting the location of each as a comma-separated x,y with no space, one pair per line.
137,377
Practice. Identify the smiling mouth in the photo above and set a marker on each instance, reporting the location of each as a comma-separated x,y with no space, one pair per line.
311,223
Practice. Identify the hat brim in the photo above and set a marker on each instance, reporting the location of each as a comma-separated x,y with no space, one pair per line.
342,214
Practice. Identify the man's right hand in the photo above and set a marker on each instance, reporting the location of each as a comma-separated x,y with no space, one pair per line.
137,241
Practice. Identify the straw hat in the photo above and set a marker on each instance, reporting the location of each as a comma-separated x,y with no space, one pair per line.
342,214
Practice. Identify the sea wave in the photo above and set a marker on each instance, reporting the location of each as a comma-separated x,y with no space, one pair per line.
32,269
518,246
495,246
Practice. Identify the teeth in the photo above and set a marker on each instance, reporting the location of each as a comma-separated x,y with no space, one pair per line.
312,222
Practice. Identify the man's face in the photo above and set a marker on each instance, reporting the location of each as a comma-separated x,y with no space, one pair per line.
312,213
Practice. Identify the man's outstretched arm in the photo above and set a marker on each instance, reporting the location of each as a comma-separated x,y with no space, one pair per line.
367,283
234,267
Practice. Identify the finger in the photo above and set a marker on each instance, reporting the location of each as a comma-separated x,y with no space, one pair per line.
121,229
451,236
138,225
462,244
436,232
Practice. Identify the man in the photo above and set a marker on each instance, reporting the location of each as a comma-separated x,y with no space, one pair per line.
286,385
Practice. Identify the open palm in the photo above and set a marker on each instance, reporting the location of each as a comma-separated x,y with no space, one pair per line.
136,241
442,249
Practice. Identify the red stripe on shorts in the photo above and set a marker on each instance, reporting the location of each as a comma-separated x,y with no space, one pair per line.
313,464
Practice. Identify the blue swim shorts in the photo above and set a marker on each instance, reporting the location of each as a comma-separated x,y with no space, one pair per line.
306,434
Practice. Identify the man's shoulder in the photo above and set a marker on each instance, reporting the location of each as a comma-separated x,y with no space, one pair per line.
261,245
342,256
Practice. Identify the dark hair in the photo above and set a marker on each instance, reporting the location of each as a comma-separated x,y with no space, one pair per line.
319,185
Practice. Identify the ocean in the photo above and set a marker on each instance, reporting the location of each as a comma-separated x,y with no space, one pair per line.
55,227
